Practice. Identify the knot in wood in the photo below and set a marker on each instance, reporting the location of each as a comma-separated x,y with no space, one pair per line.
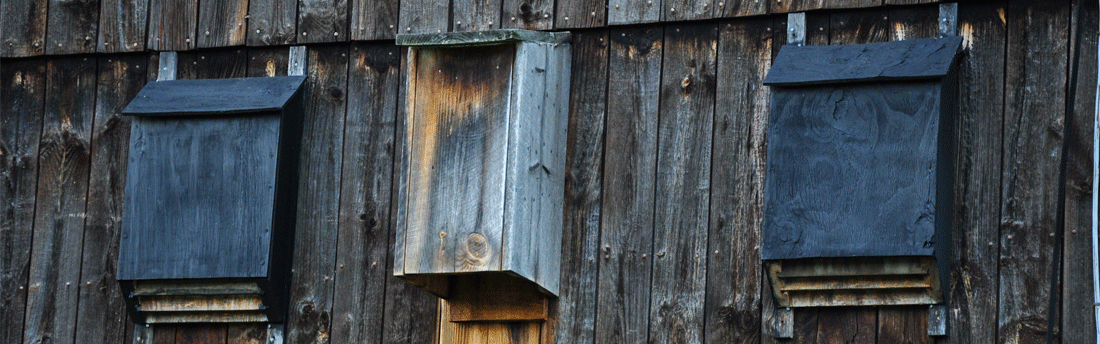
476,248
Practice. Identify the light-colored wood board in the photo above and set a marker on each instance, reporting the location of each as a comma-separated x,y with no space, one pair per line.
423,16
321,21
577,14
622,12
475,15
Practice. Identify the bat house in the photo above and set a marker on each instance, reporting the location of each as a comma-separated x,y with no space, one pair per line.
211,195
858,196
484,155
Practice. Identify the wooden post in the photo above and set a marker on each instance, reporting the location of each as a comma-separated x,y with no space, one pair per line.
167,69
296,64
949,20
796,28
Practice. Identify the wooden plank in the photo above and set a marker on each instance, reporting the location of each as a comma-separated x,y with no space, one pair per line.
246,334
843,325
734,292
978,175
64,162
161,334
101,316
626,236
1035,72
528,14
24,33
201,333
363,239
257,96
267,61
493,332
576,14
859,27
71,27
172,24
914,22
909,2
322,21
818,28
371,20
583,189
476,15
681,10
740,8
424,16
222,23
683,178
796,28
633,11
903,325
787,6
1078,319
496,298
915,59
212,64
21,105
318,197
272,22
122,25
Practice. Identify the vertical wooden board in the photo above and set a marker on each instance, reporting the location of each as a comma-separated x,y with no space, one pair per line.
842,325
818,28
222,23
72,26
1078,319
424,16
372,20
778,31
903,325
101,316
914,22
681,10
787,6
24,31
322,21
626,235
492,333
272,22
1035,81
858,26
22,94
249,333
528,14
734,292
621,12
583,189
740,8
64,159
838,4
683,178
318,196
909,2
212,64
269,61
200,333
122,25
172,24
162,334
475,15
364,232
978,175
580,14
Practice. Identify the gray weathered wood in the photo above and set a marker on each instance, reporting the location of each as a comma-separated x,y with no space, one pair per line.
298,62
423,16
475,15
949,20
209,96
322,21
143,334
172,25
906,324
212,64
528,14
681,10
938,320
63,166
626,246
783,327
222,23
374,19
167,65
621,12
580,14
268,61
740,8
275,333
492,37
122,25
24,32
71,27
273,22
904,60
796,28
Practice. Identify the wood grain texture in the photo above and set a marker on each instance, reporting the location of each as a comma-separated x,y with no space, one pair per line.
201,333
581,14
272,22
248,333
322,21
160,334
222,23
212,64
978,179
267,61
903,325
859,27
71,27
318,196
908,2
683,178
681,10
172,25
372,20
1035,80
836,325
914,22
734,292
63,166
122,25
787,6
23,33
101,316
626,235
491,333
620,12
475,15
363,240
740,8
583,189
528,14
818,28
22,96
424,16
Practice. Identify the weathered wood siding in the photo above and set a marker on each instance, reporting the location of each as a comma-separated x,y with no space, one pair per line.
657,246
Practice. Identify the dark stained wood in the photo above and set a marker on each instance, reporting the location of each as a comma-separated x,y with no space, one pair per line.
734,292
838,4
318,197
1035,80
257,96
914,22
23,32
818,28
267,61
201,333
626,235
63,167
102,312
163,334
372,20
841,325
581,14
915,59
273,22
528,14
1078,319
859,26
476,15
363,239
212,64
908,2
903,325
786,6
71,27
583,189
739,8
683,178
222,23
633,12
122,25
978,177
424,16
172,24
22,96
248,333
322,21
681,10
481,38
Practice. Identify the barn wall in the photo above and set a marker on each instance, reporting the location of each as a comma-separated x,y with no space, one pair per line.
664,188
